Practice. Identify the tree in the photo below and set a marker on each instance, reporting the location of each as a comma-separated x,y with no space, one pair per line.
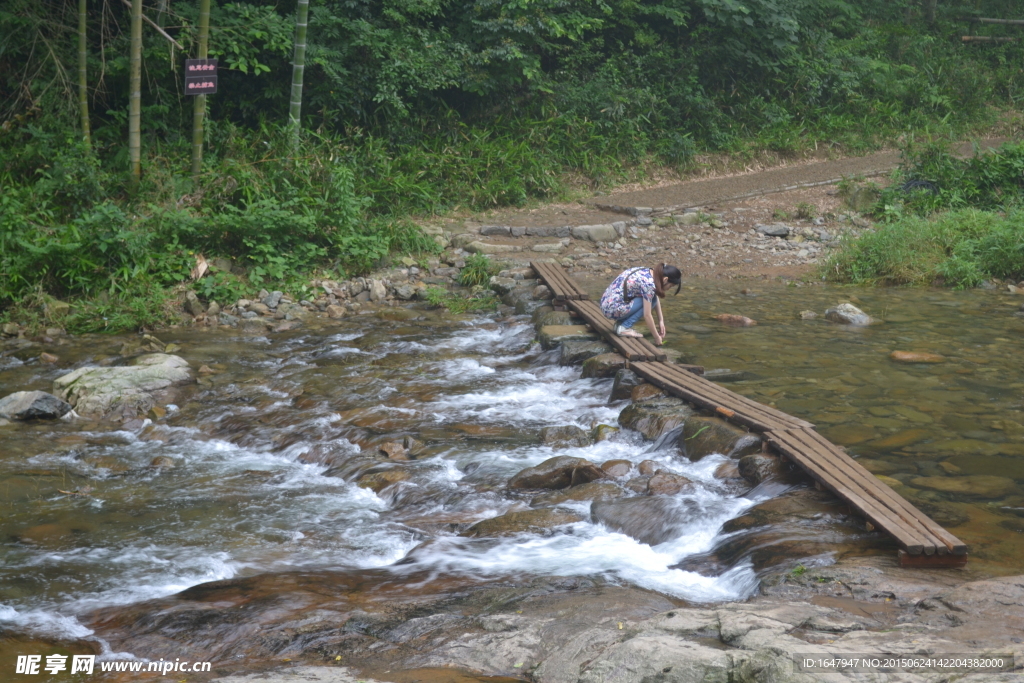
199,105
135,95
298,67
83,93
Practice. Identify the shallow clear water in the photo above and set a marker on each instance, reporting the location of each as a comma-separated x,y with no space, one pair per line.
265,451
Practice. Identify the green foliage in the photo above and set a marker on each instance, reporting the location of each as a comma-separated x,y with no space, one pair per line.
960,248
805,211
478,271
453,303
931,179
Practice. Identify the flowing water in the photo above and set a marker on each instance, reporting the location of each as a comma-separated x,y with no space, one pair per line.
253,469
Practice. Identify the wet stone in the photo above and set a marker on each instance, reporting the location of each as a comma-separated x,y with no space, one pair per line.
625,381
916,357
604,432
655,417
523,521
646,392
552,317
848,314
568,436
33,405
667,484
378,481
972,486
703,436
759,467
591,491
559,472
551,336
647,467
617,468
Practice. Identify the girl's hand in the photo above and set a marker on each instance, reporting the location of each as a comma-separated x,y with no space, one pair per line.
662,329
657,338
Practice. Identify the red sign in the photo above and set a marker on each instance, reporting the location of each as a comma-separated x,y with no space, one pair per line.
200,76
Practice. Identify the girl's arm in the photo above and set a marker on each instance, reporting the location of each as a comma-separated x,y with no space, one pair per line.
661,318
650,322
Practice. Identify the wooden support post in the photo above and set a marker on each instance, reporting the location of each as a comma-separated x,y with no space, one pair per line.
947,561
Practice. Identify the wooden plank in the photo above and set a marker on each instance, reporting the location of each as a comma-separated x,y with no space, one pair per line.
754,421
948,542
950,561
945,542
554,275
550,279
732,400
836,482
835,460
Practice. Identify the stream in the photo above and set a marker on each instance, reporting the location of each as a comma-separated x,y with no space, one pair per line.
253,469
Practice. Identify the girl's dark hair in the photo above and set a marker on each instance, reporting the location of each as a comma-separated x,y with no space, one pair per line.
672,273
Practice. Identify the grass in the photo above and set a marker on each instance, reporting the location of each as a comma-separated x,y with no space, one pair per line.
484,301
958,248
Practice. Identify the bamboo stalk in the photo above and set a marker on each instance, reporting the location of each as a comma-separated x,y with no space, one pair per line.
199,105
1008,22
83,82
135,96
298,70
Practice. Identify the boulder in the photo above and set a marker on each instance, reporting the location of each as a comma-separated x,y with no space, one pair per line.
848,314
192,304
759,467
259,308
502,285
728,470
559,472
916,357
604,232
33,405
564,437
542,292
703,436
654,418
273,299
808,315
495,230
650,520
552,317
378,292
603,365
591,491
523,521
622,388
617,468
647,467
574,352
405,292
551,336
773,230
393,450
668,484
127,389
548,248
334,311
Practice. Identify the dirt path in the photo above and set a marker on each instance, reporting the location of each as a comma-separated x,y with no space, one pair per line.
722,240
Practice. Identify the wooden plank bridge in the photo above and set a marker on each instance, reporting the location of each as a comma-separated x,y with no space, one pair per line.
923,543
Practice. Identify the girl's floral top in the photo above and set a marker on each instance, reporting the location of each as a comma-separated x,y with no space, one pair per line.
639,282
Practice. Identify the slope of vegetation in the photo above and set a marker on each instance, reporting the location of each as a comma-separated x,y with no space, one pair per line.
413,107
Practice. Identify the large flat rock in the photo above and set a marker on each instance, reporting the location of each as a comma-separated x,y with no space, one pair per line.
126,389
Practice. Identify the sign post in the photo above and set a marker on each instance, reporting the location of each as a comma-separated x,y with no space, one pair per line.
200,76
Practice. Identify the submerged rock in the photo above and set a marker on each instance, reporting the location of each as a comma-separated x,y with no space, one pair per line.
649,520
127,390
735,320
916,357
33,405
523,521
604,432
567,436
848,314
378,481
559,472
971,486
617,468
